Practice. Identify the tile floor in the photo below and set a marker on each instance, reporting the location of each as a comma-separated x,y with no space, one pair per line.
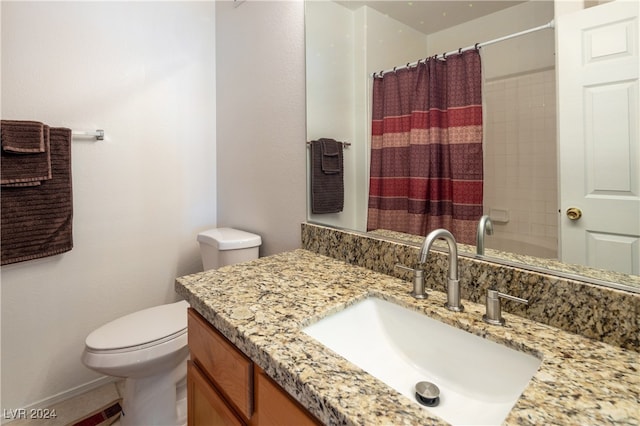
71,410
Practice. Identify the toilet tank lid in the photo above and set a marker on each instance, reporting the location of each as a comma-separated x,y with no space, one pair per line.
229,239
139,328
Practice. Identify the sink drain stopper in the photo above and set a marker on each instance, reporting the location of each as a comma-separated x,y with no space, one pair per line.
427,394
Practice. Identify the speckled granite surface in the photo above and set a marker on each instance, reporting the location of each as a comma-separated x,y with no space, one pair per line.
632,281
609,315
262,305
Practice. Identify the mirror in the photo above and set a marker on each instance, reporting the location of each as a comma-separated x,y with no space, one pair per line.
348,40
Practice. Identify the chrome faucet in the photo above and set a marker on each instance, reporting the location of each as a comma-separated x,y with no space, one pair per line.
453,284
484,226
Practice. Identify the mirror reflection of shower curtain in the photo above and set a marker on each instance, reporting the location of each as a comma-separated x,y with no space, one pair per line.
426,148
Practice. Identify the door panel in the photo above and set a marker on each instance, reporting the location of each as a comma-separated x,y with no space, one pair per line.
598,136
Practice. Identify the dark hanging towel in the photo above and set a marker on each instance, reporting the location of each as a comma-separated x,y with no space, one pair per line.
36,221
26,159
327,185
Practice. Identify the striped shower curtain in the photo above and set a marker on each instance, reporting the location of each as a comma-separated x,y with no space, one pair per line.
426,153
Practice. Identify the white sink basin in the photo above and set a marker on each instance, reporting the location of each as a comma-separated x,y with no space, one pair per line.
479,380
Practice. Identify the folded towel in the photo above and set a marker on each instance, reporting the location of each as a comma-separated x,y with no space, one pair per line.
22,136
36,221
330,147
13,185
331,161
327,188
26,168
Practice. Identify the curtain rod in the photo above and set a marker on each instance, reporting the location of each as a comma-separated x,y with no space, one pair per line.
550,24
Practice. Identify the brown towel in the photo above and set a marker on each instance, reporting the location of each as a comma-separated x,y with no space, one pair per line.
331,161
25,169
22,136
327,187
36,221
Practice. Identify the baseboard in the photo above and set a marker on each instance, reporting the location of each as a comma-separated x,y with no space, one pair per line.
68,394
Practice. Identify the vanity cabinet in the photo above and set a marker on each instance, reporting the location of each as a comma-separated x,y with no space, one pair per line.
205,405
224,387
273,406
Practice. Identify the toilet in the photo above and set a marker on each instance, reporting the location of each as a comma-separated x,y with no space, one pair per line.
148,348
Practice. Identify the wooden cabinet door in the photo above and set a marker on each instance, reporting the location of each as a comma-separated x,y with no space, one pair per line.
273,406
206,407
224,364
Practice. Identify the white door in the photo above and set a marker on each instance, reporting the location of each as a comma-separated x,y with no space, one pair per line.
599,148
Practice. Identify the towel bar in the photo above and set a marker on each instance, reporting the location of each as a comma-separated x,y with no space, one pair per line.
345,144
98,134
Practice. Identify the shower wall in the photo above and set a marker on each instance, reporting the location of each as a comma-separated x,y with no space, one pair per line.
520,163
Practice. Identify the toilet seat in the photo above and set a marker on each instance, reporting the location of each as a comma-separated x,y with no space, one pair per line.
140,347
145,343
140,330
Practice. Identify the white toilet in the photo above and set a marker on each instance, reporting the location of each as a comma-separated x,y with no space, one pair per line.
149,348
227,246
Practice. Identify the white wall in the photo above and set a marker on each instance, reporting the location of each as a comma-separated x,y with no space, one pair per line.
390,43
331,102
261,120
518,55
145,73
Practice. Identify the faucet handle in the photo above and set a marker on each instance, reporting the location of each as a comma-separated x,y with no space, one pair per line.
405,267
494,310
418,281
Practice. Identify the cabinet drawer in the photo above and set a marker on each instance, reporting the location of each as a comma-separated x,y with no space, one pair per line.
228,368
206,406
276,407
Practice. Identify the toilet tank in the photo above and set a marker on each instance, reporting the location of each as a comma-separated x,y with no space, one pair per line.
226,246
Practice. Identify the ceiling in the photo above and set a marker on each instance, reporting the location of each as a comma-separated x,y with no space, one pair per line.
429,16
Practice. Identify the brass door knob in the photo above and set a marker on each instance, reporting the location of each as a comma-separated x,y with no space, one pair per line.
574,213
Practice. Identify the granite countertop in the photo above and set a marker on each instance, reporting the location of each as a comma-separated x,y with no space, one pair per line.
629,282
262,305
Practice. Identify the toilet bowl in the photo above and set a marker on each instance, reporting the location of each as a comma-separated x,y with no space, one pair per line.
149,349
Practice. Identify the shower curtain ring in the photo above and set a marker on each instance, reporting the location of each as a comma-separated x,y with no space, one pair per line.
459,51
476,46
444,55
